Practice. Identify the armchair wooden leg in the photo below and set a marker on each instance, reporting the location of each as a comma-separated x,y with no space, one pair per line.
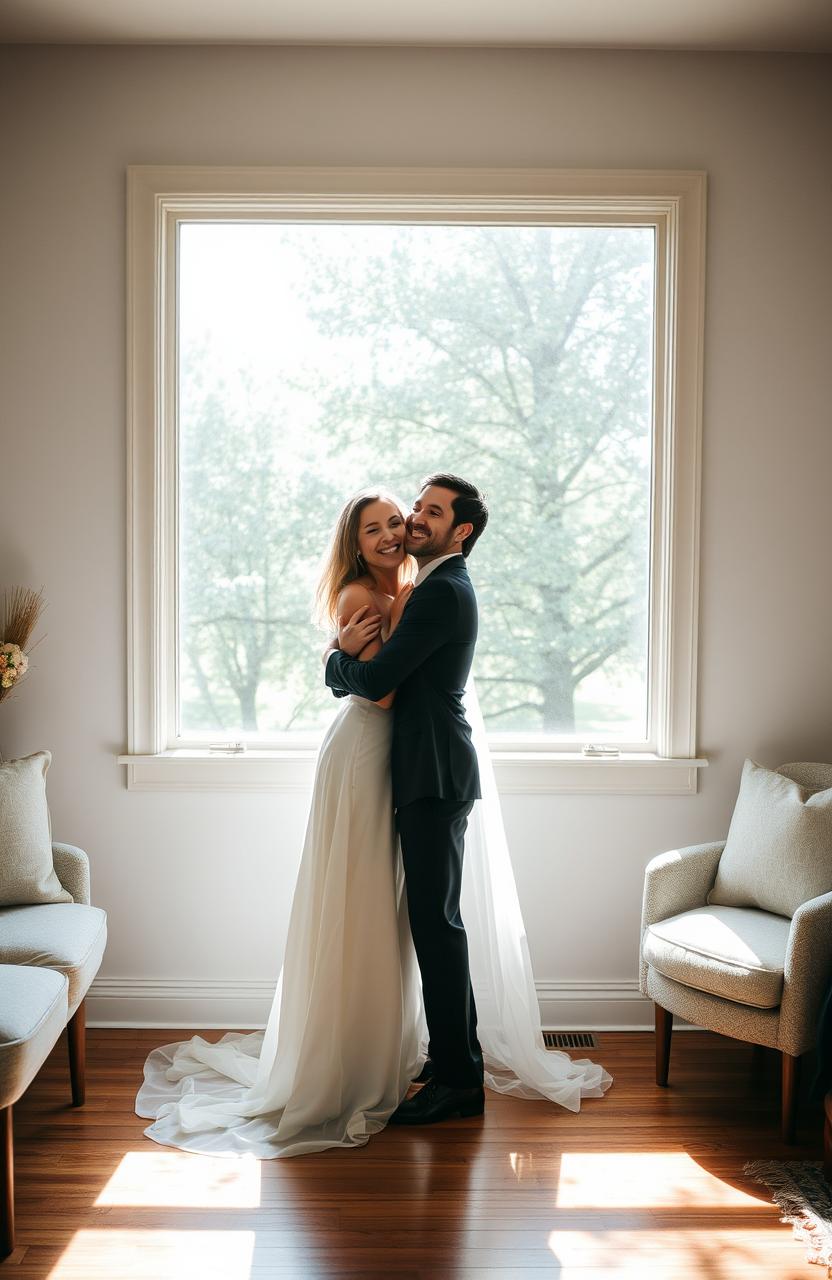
758,1059
791,1076
77,1044
6,1183
664,1030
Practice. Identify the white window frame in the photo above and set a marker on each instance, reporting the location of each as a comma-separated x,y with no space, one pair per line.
160,197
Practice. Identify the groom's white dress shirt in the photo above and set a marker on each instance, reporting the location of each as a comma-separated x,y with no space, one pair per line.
433,564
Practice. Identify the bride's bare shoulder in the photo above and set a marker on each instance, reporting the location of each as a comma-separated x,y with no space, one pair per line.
352,598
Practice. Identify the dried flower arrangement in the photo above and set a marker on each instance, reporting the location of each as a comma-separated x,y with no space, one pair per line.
21,610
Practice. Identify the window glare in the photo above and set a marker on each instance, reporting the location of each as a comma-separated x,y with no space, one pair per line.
317,359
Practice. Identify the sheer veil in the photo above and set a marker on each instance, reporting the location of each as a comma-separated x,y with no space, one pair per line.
508,1015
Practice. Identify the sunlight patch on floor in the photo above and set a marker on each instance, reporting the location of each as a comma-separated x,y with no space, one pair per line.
181,1180
187,1255
649,1179
655,1254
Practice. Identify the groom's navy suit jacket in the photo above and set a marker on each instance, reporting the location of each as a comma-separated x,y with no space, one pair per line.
427,660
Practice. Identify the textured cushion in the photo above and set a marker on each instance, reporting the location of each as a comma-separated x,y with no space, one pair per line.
732,952
33,1013
779,848
26,870
65,936
742,1021
811,774
72,867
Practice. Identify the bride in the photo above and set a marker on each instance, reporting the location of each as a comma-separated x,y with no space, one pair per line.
346,1033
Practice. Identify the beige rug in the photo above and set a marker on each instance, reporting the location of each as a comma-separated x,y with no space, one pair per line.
804,1197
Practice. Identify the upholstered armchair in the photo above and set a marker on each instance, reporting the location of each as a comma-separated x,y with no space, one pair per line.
742,971
67,936
49,954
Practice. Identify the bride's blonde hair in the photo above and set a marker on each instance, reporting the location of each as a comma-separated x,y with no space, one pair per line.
343,562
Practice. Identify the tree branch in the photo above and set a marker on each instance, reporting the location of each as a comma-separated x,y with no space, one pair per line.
597,661
472,370
503,679
291,620
204,685
518,706
604,556
611,608
514,288
402,418
598,436
598,488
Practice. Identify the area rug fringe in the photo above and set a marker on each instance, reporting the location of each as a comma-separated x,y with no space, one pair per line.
804,1197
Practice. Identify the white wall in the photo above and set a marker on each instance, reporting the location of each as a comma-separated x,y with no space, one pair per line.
198,887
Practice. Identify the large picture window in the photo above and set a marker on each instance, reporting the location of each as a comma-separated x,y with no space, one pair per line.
545,344
314,360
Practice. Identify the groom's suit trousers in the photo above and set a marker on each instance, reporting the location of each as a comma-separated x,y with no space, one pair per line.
432,833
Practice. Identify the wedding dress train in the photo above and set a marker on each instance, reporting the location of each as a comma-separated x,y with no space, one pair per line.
346,1032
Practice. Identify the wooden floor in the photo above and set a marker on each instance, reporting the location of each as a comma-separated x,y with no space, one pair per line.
646,1183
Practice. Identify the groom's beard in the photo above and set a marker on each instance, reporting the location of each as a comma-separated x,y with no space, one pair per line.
427,548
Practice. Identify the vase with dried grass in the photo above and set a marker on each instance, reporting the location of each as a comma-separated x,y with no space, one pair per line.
21,609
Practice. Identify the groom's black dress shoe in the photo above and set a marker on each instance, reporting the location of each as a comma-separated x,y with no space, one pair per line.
425,1074
439,1102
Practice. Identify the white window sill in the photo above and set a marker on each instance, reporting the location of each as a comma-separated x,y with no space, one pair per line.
517,772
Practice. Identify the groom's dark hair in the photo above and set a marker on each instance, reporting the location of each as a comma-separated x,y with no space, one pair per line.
468,505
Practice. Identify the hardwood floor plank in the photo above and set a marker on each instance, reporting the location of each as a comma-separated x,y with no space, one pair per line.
646,1182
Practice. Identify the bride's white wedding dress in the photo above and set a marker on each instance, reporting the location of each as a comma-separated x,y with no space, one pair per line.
346,1032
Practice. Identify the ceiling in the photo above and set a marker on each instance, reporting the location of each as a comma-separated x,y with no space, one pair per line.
777,25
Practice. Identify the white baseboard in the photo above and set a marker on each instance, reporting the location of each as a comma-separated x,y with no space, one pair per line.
610,1005
231,1004
227,1003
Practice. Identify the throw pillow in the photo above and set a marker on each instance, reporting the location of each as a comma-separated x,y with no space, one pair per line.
27,873
779,848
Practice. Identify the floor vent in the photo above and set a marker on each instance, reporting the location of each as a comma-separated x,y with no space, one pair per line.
570,1039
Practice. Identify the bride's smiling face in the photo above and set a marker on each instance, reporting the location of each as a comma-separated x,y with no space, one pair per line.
381,535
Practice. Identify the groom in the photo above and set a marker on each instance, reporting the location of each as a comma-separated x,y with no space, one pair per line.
435,775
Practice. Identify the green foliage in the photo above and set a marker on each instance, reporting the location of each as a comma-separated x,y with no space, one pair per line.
246,541
517,357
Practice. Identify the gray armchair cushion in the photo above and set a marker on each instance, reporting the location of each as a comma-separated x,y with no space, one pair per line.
68,936
731,952
677,881
778,854
33,1013
726,1017
27,873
